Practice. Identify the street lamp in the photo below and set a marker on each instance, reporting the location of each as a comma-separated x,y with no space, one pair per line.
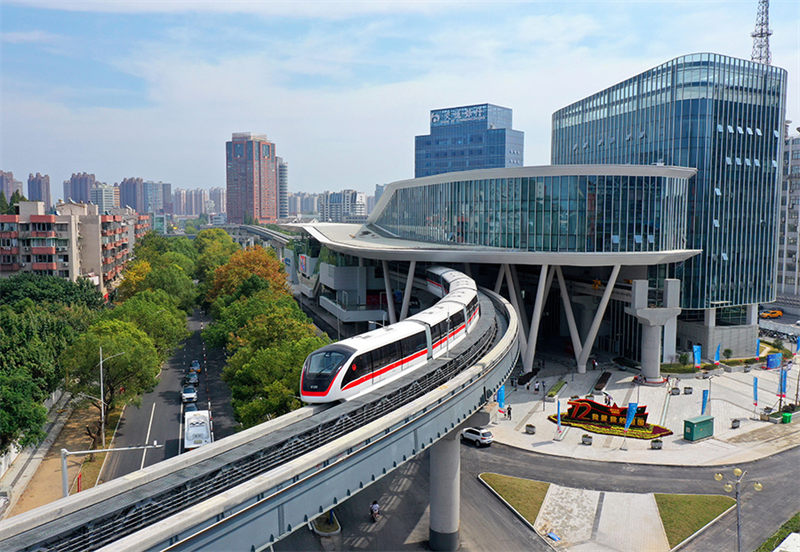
103,396
734,484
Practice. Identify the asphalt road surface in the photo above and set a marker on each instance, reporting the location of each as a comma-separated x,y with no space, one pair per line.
488,525
159,417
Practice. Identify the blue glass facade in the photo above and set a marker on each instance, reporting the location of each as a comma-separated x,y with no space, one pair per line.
532,209
721,115
468,137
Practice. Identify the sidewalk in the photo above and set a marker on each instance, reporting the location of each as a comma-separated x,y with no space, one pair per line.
731,397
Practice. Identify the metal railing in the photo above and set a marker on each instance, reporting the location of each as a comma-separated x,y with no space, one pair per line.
96,526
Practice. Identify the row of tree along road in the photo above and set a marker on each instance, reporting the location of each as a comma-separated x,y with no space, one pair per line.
52,331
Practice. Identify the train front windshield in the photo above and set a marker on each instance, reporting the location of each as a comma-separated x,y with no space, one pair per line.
322,366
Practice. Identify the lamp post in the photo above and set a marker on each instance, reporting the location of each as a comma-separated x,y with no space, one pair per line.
735,484
103,396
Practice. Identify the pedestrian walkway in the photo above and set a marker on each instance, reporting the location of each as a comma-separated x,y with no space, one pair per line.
731,397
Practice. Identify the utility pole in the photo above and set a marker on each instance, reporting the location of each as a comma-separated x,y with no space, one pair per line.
761,35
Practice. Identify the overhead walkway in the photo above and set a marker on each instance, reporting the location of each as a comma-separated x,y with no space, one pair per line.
252,489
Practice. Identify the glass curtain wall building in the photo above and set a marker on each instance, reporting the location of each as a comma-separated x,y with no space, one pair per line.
721,115
596,209
468,137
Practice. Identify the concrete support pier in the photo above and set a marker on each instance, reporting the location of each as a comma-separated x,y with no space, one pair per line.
445,489
653,320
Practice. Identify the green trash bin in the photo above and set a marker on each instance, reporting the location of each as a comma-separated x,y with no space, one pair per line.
787,417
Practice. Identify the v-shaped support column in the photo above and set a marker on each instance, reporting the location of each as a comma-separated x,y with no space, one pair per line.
513,297
598,318
573,328
389,297
545,280
407,295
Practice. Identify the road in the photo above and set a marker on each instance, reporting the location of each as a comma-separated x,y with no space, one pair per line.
159,416
486,524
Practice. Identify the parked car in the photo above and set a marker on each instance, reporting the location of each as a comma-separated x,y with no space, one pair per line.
191,378
189,394
477,436
771,314
195,367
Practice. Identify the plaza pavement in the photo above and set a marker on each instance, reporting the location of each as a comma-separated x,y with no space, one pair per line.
604,519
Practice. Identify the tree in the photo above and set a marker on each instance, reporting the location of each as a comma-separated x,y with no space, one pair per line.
153,312
49,288
133,278
181,244
173,257
683,358
21,417
242,265
264,383
4,204
132,370
214,248
14,200
175,282
189,227
727,353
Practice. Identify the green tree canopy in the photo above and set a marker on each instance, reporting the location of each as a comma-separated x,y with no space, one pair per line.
173,280
133,371
156,314
214,247
49,288
21,419
265,382
173,257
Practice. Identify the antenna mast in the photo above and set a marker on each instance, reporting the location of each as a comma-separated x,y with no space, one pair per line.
761,35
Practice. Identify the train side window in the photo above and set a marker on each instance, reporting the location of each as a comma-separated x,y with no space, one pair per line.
457,319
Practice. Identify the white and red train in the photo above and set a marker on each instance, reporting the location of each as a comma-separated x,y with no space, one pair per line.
361,364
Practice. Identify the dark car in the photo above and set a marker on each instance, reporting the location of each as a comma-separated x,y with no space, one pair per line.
191,379
190,407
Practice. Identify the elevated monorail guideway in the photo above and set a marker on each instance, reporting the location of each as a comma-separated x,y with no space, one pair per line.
258,486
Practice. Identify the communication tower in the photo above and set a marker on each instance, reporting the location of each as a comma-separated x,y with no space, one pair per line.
761,35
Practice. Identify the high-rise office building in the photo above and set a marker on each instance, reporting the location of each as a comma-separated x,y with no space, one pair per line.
788,246
131,193
39,189
179,201
217,195
152,197
166,194
252,179
9,185
77,187
196,201
724,117
283,188
345,206
469,137
116,195
102,195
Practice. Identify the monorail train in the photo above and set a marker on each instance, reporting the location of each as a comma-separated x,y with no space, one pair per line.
363,363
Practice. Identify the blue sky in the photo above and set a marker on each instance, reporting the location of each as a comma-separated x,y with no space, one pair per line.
155,88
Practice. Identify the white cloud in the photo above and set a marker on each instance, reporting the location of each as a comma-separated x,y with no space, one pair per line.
29,37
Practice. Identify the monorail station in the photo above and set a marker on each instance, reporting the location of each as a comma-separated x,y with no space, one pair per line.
584,253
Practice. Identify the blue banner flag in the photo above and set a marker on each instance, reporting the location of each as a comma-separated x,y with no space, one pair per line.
758,346
716,357
797,346
558,414
755,391
705,401
501,397
632,406
774,360
782,384
698,352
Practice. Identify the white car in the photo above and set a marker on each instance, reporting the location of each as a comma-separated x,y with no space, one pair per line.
189,394
477,436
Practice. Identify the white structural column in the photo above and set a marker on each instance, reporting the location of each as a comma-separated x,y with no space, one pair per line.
598,318
652,320
545,280
573,328
498,283
389,297
672,296
445,493
514,277
752,315
407,295
512,296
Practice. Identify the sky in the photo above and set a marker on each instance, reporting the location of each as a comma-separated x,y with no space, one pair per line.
154,88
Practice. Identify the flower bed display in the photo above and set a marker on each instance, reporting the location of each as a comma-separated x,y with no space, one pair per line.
648,431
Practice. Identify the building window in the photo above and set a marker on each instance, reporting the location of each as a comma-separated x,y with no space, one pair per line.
757,162
716,223
758,132
728,161
747,161
719,128
738,161
724,256
717,192
730,129
749,131
739,130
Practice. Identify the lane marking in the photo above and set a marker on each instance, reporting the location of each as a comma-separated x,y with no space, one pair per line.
147,439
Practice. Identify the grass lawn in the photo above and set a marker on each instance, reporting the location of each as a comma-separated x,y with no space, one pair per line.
791,526
525,495
684,515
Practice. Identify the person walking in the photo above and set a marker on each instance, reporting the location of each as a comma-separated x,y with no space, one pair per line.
508,412
528,386
536,386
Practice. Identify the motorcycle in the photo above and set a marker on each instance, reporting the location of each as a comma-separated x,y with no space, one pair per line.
375,514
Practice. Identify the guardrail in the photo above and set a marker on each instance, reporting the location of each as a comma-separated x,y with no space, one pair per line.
107,513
